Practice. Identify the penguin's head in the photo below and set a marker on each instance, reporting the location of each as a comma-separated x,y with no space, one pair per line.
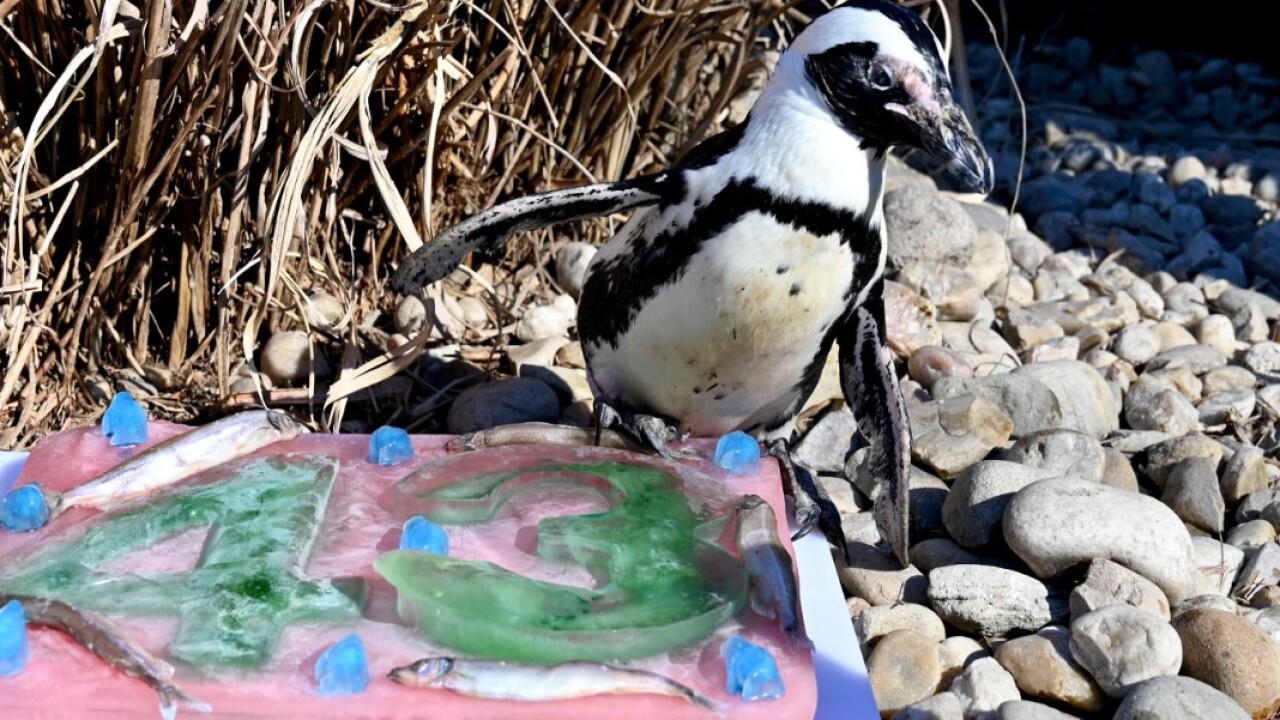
879,72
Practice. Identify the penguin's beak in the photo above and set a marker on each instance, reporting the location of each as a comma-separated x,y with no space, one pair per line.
946,134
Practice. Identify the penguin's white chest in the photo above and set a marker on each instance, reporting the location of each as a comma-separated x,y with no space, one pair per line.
726,344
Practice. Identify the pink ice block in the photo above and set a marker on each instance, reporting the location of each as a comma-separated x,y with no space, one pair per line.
65,681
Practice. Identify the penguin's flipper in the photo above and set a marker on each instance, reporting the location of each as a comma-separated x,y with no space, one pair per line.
870,385
491,228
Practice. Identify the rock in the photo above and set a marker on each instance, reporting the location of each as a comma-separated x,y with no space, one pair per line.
1228,406
410,315
1028,329
290,357
928,493
879,620
502,402
1050,193
1027,710
1028,402
903,669
1217,332
570,355
878,578
1232,655
1269,396
541,322
1120,646
964,650
1194,494
1117,471
474,313
954,293
1251,506
1057,523
941,552
825,446
943,706
992,601
1251,534
1177,698
842,494
1218,564
932,228
1043,668
934,362
1263,360
1173,336
1085,400
1180,380
1226,379
1063,348
1199,359
1163,456
1136,441
538,352
1250,325
1215,602
974,509
989,262
571,266
1261,568
324,310
569,384
1137,344
1151,407
1060,452
983,687
1186,168
950,435
1231,210
1109,583
1233,300
910,320
1265,597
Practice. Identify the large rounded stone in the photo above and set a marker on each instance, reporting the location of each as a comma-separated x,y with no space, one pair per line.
983,687
1042,666
943,706
1027,710
1061,452
974,509
1234,656
903,669
503,402
878,578
1177,698
1058,523
1109,583
571,266
879,620
929,228
1120,646
1085,400
290,357
992,601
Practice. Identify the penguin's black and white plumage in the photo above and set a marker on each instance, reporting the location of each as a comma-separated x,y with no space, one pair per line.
714,307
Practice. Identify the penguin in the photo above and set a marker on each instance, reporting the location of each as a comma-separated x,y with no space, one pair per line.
714,307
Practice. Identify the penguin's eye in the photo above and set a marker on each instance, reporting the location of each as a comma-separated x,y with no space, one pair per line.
880,77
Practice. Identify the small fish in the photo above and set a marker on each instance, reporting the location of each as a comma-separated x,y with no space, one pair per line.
102,638
179,458
495,680
773,581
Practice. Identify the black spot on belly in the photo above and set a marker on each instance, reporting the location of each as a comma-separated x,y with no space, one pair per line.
720,396
697,390
782,269
795,289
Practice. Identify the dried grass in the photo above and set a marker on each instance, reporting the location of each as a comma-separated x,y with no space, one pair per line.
178,177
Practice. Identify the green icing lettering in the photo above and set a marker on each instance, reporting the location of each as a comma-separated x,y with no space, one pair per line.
663,586
247,585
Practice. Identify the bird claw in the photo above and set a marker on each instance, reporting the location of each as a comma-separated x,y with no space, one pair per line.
651,431
813,506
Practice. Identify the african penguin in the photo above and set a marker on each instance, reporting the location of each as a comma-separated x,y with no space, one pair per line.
714,307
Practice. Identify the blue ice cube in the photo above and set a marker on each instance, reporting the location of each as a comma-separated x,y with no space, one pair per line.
343,669
739,453
24,509
750,671
13,639
422,534
125,422
389,446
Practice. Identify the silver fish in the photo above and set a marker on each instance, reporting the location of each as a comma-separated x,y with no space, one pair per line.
179,458
495,680
774,592
102,638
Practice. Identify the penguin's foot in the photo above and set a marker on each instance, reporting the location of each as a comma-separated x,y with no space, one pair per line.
813,506
650,430
533,433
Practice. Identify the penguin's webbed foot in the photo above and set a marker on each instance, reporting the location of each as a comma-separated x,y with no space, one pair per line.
813,506
650,430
